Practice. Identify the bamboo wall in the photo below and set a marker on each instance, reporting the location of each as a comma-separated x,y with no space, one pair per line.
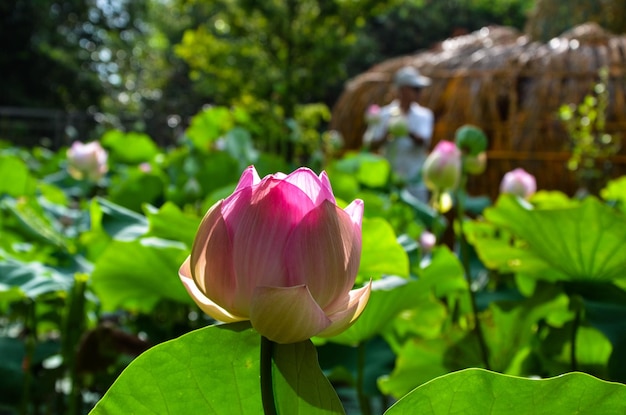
510,87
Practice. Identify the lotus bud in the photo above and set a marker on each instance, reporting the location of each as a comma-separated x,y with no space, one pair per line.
398,126
475,164
519,182
427,241
470,140
372,115
87,161
442,167
145,167
280,253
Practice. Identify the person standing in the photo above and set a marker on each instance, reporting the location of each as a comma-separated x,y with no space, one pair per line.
402,130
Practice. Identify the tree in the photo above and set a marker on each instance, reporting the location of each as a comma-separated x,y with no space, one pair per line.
281,51
43,63
550,18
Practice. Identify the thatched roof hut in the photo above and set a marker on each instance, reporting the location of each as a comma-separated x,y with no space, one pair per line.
510,87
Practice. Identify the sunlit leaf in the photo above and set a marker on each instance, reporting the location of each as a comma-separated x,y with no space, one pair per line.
478,391
615,192
131,147
579,242
373,170
215,370
381,254
137,274
33,221
443,274
135,189
169,222
16,179
389,296
208,125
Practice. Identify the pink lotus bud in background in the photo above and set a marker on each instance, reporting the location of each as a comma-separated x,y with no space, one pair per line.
372,115
280,253
442,167
519,182
427,241
145,167
87,161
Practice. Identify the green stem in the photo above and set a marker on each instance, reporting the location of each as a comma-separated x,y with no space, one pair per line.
463,246
575,325
364,403
30,328
267,384
74,328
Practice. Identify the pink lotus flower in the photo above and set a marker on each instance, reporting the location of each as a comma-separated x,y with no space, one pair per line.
519,182
442,167
87,161
280,253
427,241
372,115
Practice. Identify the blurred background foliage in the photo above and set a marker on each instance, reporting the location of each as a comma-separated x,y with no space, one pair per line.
149,65
184,94
157,62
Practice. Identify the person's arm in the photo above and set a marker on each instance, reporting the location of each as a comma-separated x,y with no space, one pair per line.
376,134
417,139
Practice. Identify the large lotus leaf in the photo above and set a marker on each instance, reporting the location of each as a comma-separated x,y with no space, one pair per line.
131,147
497,250
215,370
421,360
478,392
216,170
137,274
117,221
373,170
169,222
513,326
615,193
208,125
579,242
381,253
30,280
238,143
135,189
443,274
389,297
16,179
34,223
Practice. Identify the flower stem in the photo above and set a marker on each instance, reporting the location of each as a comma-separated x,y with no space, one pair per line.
267,384
577,306
30,330
463,246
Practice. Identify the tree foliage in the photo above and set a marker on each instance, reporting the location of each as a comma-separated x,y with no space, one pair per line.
550,18
41,56
282,51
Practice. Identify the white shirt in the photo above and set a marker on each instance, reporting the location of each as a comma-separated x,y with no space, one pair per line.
406,157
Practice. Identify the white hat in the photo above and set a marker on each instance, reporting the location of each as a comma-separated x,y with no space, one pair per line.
409,76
